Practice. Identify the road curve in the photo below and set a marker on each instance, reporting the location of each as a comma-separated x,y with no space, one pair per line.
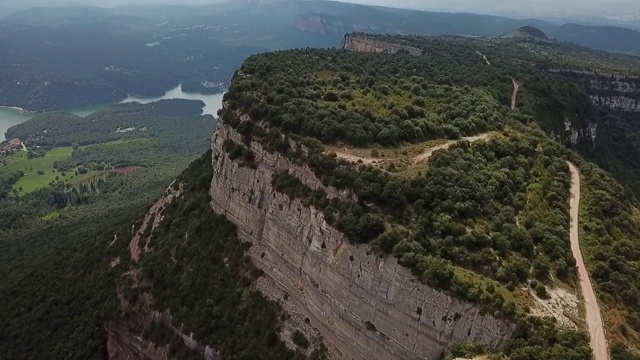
594,319
424,157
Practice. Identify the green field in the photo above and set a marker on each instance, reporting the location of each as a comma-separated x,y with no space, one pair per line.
31,181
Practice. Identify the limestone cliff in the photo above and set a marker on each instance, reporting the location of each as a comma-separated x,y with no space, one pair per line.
126,344
362,306
363,43
613,91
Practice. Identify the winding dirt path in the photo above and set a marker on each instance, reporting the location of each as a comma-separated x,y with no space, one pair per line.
429,152
593,317
484,57
514,96
423,157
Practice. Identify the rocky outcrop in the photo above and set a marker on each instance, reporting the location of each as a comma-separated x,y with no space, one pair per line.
314,24
613,91
616,92
122,344
125,344
363,306
573,134
363,43
151,221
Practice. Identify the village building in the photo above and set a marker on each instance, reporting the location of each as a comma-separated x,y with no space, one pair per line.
12,146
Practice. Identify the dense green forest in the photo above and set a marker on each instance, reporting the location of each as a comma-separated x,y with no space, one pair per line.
58,288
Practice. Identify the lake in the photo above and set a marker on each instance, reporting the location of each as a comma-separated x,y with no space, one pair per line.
14,116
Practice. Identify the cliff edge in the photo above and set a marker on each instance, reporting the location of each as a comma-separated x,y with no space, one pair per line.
361,305
364,43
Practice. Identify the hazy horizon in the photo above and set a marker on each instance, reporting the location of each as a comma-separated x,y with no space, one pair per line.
621,10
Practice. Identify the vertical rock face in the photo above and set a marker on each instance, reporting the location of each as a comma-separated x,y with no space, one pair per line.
363,307
361,43
613,91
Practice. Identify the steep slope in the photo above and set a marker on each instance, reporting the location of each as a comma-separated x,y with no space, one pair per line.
363,306
186,288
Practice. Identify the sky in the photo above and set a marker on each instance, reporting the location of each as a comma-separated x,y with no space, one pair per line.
612,9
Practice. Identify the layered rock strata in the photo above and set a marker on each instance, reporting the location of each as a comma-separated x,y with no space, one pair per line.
361,305
363,43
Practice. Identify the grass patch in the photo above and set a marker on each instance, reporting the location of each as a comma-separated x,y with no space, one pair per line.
39,172
52,216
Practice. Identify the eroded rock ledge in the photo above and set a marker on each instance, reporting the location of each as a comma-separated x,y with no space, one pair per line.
362,306
362,43
613,91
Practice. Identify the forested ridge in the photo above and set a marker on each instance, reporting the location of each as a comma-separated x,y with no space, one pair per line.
494,209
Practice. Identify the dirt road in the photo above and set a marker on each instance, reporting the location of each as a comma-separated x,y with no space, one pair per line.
484,57
429,152
423,157
593,317
514,96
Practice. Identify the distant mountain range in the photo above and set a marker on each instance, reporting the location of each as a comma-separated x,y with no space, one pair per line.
328,21
387,20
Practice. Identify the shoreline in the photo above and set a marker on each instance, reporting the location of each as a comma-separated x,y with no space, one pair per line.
21,110
120,101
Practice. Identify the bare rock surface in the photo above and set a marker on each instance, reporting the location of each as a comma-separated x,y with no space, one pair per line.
363,306
361,43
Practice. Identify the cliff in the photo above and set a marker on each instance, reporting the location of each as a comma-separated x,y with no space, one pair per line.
363,43
362,306
615,92
609,90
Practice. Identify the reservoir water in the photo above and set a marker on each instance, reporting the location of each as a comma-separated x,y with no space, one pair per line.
13,116
212,103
